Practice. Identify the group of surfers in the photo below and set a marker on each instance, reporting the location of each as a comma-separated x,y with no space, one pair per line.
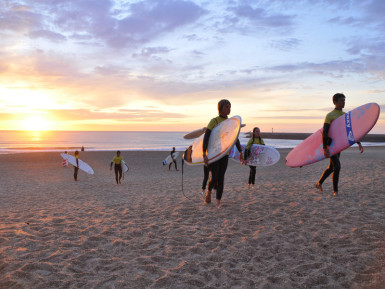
219,167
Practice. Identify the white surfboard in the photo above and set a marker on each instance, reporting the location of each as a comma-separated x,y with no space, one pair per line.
168,160
198,132
260,155
124,166
82,165
222,139
195,133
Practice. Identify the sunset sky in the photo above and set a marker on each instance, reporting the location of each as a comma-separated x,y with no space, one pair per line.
164,64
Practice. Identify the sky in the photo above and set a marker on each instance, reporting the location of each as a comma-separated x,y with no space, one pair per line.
163,65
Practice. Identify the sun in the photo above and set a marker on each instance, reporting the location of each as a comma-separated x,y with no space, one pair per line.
36,122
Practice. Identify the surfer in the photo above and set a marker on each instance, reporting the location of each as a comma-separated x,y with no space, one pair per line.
218,168
334,163
173,160
255,139
118,167
64,162
76,168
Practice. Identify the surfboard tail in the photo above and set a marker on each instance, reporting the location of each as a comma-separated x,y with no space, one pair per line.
187,156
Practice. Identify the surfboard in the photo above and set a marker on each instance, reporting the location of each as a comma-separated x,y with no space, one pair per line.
198,132
195,133
222,139
168,160
82,165
124,167
344,132
260,155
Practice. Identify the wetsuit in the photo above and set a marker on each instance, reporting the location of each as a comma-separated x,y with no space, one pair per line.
218,168
253,169
118,168
205,176
76,168
334,163
173,161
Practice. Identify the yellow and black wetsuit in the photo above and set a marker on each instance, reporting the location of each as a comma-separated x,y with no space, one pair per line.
218,168
253,169
334,163
118,168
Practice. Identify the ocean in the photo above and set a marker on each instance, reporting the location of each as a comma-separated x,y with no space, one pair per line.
42,141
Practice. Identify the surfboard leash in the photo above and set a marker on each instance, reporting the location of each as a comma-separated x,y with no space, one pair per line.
182,181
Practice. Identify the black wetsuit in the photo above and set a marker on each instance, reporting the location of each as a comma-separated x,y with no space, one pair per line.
218,168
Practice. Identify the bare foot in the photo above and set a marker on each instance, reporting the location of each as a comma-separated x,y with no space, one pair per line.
319,187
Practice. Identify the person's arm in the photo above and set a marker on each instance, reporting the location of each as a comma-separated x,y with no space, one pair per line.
239,148
326,140
77,162
205,145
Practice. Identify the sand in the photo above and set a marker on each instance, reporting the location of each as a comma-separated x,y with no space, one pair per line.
144,233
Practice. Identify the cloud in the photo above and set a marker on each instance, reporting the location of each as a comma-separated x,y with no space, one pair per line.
122,26
149,52
148,20
49,35
375,11
250,18
332,68
286,44
19,18
262,16
117,115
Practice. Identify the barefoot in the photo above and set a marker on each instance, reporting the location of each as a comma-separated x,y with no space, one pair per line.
319,187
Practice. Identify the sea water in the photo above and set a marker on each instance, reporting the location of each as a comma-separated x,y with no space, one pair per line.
28,141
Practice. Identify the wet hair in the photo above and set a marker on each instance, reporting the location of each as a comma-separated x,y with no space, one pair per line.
118,152
222,103
337,96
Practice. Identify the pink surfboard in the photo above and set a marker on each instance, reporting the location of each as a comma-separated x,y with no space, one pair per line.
344,132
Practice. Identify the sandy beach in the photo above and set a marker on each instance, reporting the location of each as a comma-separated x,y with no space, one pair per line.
144,233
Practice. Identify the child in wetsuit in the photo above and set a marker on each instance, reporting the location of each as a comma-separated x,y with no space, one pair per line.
118,167
334,163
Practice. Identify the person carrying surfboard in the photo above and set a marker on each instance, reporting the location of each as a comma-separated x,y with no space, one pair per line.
76,168
64,162
173,160
255,139
218,168
334,163
118,167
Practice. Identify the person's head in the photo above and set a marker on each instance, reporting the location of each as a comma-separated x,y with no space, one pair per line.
339,100
76,153
224,107
118,153
256,132
173,148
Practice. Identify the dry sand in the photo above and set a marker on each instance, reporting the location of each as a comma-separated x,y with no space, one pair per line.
57,233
